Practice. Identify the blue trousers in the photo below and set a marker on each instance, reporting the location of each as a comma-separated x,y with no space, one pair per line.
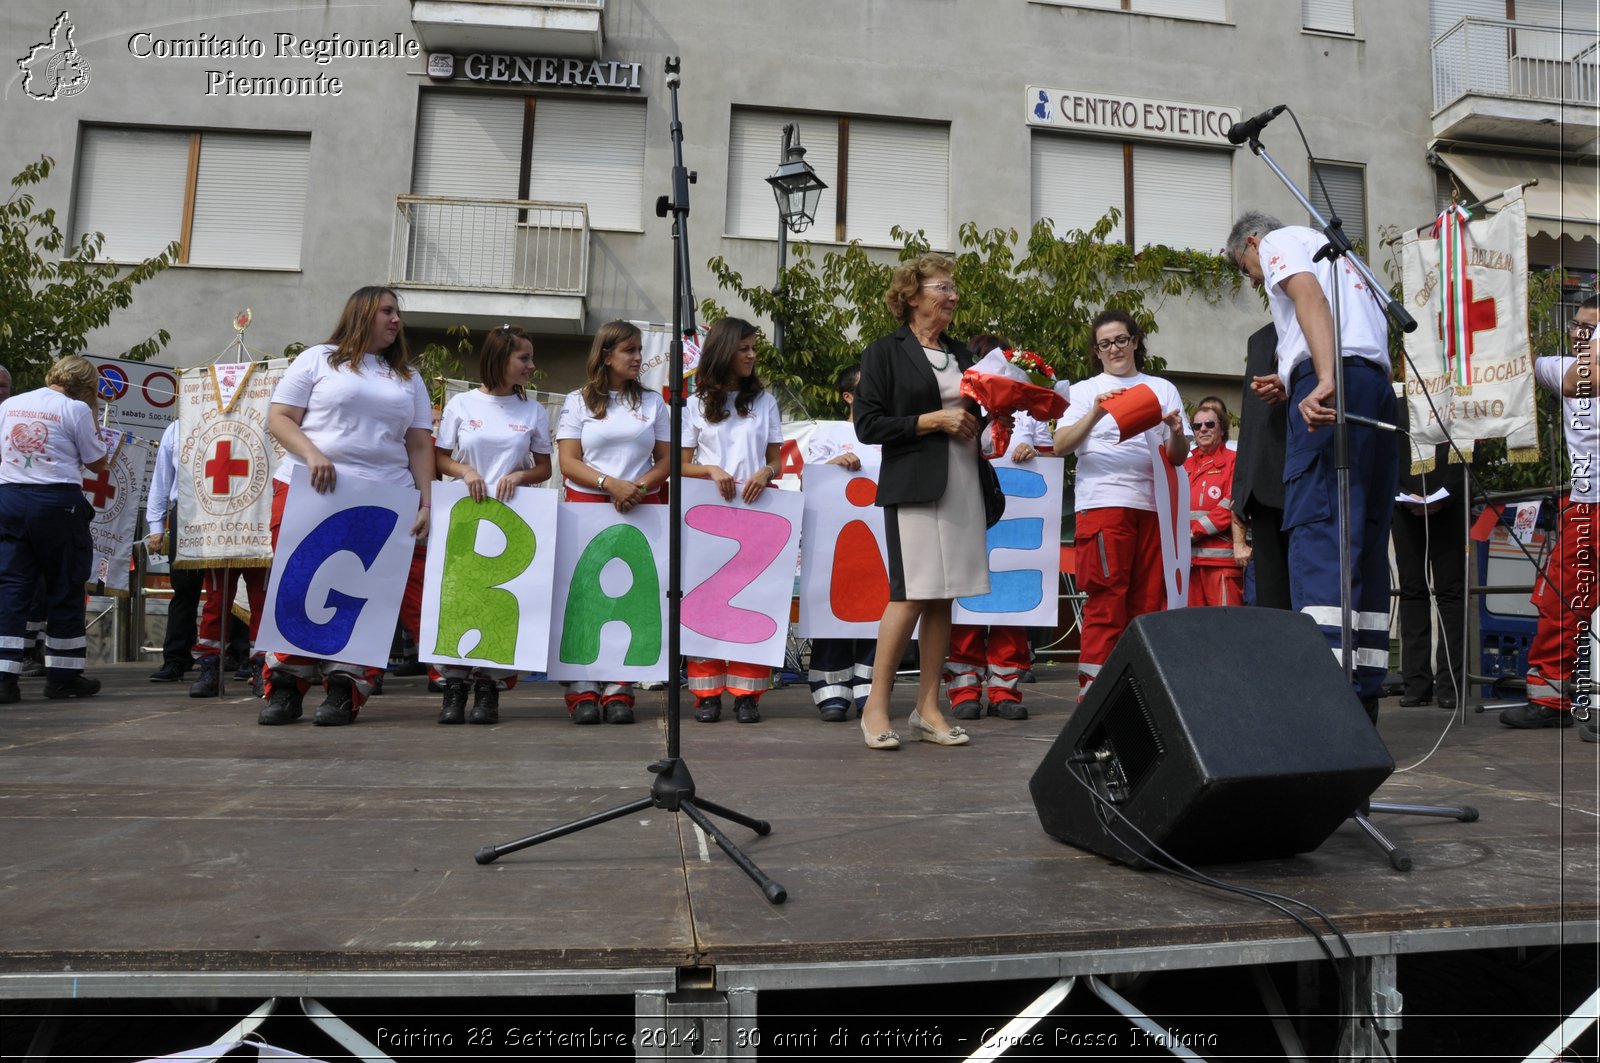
1311,513
44,534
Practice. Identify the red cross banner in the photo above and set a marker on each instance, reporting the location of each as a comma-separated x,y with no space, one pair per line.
1470,351
116,495
225,464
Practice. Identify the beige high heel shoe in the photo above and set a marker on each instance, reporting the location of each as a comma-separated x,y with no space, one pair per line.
881,740
921,732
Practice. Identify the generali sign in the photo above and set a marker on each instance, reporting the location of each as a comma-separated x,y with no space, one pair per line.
1129,116
494,67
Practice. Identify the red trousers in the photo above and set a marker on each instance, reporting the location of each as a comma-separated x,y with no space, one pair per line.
1565,598
1119,570
999,653
303,671
1216,585
708,678
220,597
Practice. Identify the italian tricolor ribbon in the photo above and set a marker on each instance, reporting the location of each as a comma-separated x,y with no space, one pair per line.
1450,229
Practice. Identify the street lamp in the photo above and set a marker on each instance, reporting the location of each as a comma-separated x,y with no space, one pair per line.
797,188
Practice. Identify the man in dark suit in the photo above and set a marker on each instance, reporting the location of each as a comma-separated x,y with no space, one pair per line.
1258,475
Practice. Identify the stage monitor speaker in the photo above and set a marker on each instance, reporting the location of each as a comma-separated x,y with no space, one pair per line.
1222,734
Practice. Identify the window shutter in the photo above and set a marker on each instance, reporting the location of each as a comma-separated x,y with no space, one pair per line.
590,151
899,174
1075,180
250,200
1347,192
468,145
755,148
1328,16
1182,197
131,185
1215,10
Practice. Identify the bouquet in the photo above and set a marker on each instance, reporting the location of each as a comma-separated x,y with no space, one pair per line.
1006,381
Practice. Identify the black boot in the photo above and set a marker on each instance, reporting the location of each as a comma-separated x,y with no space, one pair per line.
485,702
454,709
79,686
339,707
205,685
9,692
283,703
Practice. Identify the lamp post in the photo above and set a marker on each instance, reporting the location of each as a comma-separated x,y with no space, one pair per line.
797,188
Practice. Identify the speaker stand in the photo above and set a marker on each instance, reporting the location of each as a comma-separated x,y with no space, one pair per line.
1399,859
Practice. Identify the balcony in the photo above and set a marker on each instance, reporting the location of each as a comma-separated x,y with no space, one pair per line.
1516,83
523,27
483,262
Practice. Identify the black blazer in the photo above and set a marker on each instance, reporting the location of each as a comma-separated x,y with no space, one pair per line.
897,386
1258,474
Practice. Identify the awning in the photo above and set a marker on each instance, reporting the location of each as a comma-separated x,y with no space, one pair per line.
1565,202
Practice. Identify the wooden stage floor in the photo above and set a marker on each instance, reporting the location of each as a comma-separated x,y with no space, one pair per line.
155,845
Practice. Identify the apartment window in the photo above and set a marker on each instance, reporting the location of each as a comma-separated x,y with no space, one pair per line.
230,199
1202,10
1567,34
880,174
1328,16
1346,193
1177,196
555,148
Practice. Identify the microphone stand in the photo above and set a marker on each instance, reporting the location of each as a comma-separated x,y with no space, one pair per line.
673,789
1338,247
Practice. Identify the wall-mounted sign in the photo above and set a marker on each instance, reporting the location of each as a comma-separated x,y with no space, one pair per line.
497,68
1129,116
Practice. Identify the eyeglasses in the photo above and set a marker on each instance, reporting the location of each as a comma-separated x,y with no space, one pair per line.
1198,425
1581,327
1119,342
942,287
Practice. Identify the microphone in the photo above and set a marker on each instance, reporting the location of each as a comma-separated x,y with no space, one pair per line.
1240,132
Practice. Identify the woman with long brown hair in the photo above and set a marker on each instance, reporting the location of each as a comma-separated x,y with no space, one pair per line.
613,442
354,406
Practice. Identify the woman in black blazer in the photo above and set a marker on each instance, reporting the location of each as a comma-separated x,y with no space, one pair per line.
909,401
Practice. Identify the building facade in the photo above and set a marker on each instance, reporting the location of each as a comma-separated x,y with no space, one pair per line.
500,160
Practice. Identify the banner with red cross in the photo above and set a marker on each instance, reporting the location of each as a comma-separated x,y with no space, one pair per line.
225,461
1470,372
117,495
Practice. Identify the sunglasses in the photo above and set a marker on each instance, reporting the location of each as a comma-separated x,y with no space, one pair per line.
1204,424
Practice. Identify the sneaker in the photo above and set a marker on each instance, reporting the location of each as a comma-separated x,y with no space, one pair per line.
338,708
708,710
618,711
586,711
32,668
970,709
79,686
242,673
284,705
9,692
1589,730
206,683
1027,676
1008,710
454,709
1530,716
485,702
834,711
169,672
746,709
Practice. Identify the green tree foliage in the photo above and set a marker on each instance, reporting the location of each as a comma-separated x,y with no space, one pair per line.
1039,294
53,293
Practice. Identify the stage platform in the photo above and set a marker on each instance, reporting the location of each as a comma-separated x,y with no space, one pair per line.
155,846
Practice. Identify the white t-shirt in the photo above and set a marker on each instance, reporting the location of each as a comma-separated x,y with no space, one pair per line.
622,443
832,438
1363,329
1578,419
736,445
1112,471
357,418
495,434
45,438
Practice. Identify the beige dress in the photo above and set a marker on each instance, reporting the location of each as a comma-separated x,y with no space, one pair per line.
943,551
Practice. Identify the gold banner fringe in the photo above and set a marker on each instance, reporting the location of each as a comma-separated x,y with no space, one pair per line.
1522,455
248,562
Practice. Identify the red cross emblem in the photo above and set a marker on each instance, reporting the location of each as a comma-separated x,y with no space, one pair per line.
223,467
1481,317
100,489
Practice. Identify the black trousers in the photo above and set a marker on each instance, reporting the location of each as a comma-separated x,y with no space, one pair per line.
1432,546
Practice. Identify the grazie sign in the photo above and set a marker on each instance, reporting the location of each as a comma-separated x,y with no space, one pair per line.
1129,116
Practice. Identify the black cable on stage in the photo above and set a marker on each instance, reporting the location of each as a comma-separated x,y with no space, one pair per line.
1277,901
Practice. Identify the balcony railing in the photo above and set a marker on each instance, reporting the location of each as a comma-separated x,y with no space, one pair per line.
1515,60
506,245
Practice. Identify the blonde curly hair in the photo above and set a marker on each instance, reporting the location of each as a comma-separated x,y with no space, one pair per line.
76,376
910,276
